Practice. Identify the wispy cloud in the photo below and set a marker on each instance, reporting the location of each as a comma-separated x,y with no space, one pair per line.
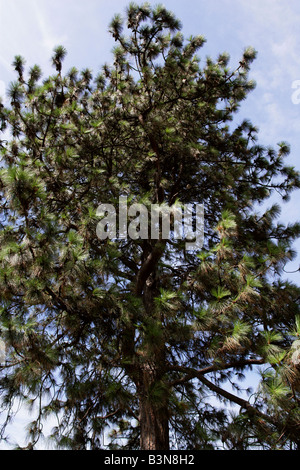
45,27
27,28
272,26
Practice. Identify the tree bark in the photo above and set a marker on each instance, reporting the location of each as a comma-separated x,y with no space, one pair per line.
154,415
152,392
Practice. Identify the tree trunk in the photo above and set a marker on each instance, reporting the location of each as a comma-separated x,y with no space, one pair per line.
154,416
152,393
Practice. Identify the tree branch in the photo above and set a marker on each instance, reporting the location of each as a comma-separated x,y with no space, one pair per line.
149,265
224,393
192,373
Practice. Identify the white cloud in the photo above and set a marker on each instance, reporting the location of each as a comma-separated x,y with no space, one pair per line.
49,38
27,28
274,25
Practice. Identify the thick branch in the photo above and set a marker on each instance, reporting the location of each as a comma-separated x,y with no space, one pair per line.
149,266
224,393
233,398
262,421
192,373
244,404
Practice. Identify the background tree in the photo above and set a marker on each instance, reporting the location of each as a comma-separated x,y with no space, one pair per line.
131,338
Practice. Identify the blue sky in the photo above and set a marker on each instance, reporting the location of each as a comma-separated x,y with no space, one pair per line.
32,28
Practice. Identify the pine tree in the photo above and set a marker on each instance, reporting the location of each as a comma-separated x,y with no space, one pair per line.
130,338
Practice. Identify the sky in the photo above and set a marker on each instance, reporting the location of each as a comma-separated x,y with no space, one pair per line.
32,28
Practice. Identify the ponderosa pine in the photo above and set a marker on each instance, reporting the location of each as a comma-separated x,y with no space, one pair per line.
130,339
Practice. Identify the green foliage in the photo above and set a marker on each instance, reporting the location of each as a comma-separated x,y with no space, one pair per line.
60,53
95,330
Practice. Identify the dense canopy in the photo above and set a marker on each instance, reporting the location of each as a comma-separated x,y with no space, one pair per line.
127,341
